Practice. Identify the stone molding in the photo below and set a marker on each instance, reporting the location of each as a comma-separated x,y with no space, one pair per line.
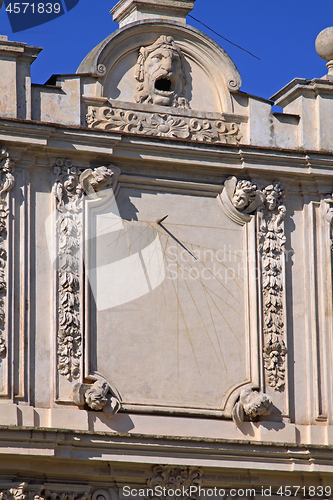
161,124
126,11
239,200
7,181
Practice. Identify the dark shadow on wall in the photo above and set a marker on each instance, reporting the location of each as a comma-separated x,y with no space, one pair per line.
121,422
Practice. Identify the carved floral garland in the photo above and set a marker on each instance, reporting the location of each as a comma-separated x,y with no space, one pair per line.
6,184
68,193
271,246
70,186
246,198
163,125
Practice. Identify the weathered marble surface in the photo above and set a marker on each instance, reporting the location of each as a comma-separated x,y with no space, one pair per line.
165,269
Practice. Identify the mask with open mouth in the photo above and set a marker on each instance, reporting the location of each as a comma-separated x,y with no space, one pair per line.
160,73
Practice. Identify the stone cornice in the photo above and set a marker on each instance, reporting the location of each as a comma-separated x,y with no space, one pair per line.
30,136
302,87
57,445
18,49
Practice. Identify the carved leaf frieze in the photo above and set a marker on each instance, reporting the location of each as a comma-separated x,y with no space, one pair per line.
163,125
7,182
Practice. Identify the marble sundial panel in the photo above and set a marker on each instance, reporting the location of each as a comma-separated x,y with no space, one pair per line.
168,321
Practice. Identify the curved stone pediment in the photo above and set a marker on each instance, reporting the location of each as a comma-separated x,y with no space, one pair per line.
203,79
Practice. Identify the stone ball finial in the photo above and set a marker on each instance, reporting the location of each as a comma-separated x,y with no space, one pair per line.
324,44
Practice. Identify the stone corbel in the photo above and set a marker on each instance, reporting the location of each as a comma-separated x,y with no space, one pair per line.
97,396
251,403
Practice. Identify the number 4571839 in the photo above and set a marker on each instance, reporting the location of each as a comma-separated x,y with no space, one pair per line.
38,8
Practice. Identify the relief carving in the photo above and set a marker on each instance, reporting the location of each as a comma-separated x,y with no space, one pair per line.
7,182
176,478
271,239
98,396
251,403
240,200
160,72
21,493
163,125
99,179
70,186
68,193
329,214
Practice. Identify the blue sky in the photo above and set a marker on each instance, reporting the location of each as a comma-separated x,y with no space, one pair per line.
281,33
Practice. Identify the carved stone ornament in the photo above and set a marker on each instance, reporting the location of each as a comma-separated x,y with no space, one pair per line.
251,403
178,479
329,213
7,182
97,181
239,200
69,193
98,396
21,492
163,125
160,72
271,239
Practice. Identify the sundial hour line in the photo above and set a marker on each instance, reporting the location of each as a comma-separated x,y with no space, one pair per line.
159,222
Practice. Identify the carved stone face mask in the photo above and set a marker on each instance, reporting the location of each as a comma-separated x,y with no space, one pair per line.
163,76
240,199
160,72
271,200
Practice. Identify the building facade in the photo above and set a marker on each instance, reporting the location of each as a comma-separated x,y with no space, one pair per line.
165,272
